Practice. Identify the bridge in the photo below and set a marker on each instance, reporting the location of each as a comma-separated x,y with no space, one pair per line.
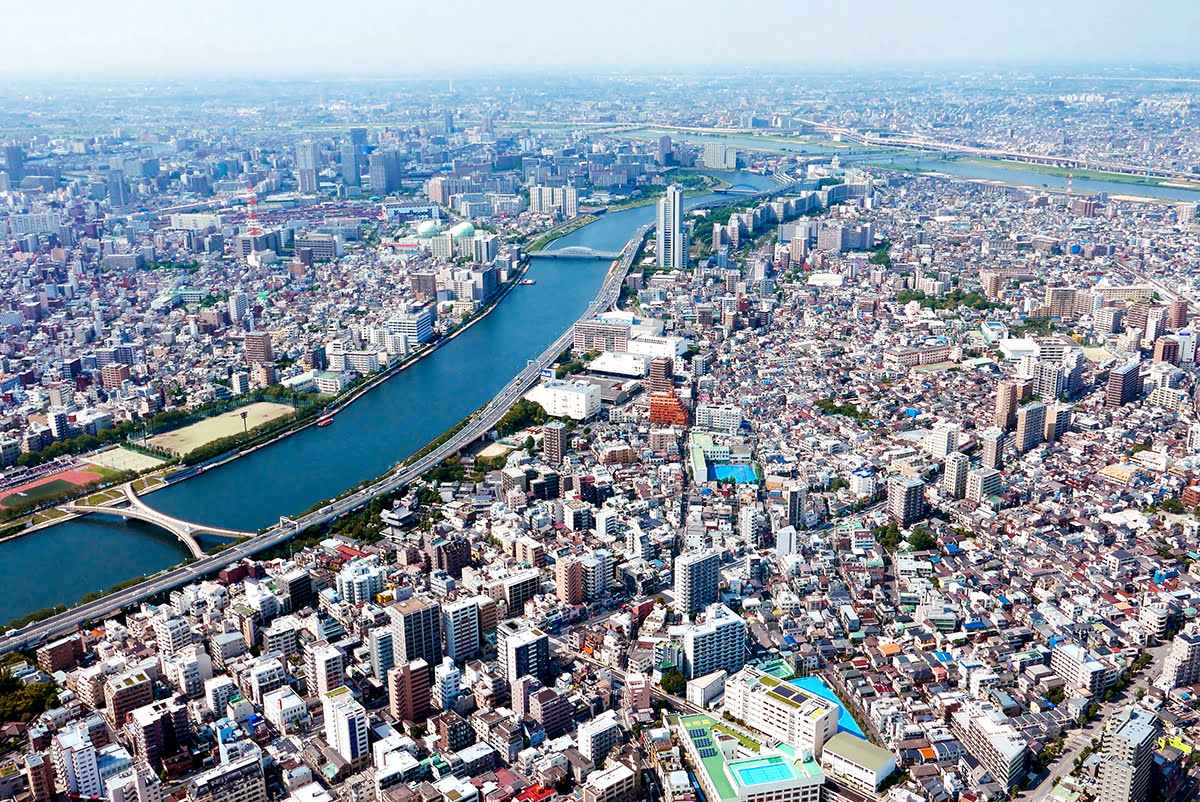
575,252
738,189
139,510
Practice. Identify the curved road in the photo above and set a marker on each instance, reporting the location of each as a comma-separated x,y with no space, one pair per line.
480,424
483,421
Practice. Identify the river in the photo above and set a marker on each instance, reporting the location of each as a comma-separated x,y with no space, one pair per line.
61,564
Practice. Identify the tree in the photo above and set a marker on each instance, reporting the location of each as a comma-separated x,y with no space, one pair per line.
921,540
673,682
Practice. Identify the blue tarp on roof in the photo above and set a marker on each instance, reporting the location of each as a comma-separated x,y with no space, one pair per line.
974,626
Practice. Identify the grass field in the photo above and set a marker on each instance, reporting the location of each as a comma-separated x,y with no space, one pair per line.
50,485
123,459
182,441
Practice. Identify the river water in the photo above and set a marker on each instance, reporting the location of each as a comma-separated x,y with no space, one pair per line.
61,564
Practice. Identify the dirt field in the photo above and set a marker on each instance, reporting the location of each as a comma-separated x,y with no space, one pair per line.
122,459
181,441
48,486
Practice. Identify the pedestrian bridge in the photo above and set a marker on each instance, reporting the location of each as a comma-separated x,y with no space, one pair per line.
137,509
575,252
738,189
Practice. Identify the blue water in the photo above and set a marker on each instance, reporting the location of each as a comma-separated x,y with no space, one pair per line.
61,564
764,773
817,687
741,474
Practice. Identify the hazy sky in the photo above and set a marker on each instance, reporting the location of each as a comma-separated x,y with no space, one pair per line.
98,38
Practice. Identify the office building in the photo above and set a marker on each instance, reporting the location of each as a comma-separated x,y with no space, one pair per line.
1031,424
1128,745
351,168
409,691
1124,384
670,236
554,442
346,726
308,160
906,499
697,574
717,643
383,170
522,649
417,630
595,335
954,474
239,780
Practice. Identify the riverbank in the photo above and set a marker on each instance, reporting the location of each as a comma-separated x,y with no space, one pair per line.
62,516
1063,172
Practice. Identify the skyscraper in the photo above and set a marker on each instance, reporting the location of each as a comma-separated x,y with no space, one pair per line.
351,174
308,157
460,620
258,347
670,236
954,476
696,577
662,374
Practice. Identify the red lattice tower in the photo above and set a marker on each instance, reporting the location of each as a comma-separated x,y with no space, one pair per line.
252,226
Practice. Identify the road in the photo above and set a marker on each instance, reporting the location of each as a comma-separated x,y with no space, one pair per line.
1077,739
480,424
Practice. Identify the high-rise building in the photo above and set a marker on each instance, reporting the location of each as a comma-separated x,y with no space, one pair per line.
568,580
1031,422
598,736
718,643
360,581
125,693
993,447
14,163
982,484
661,377
954,474
943,439
1124,384
796,498
39,773
351,168
1048,381
1128,744
554,442
670,236
381,645
1058,420
522,649
258,347
324,667
1006,404
308,160
417,628
906,499
1182,666
697,574
460,622
384,171
159,731
410,691
346,726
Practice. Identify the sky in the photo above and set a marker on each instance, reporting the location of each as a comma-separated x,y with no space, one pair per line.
81,39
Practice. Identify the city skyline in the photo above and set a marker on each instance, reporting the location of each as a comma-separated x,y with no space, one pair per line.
148,40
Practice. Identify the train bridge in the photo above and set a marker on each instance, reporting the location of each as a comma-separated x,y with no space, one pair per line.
137,509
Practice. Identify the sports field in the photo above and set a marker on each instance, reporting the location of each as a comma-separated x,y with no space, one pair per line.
48,486
124,459
182,441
